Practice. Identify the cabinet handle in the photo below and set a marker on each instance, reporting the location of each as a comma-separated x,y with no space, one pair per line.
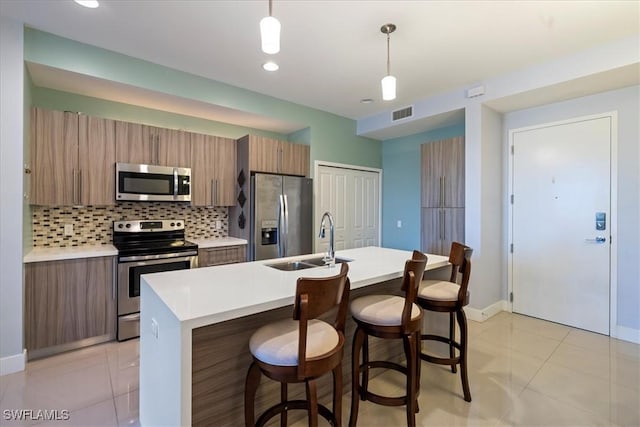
213,192
217,193
441,198
279,159
74,191
444,192
79,198
441,224
114,278
158,149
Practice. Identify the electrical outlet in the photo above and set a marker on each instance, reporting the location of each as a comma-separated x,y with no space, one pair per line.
218,224
68,230
399,224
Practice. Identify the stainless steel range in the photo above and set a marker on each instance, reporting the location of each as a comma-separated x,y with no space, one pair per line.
144,247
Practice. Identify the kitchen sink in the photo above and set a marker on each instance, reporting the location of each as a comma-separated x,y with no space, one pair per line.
304,264
291,266
319,261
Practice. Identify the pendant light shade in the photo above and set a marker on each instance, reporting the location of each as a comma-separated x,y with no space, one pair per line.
388,88
270,33
388,82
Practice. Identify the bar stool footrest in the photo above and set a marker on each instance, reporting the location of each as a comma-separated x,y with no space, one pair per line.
440,360
281,407
376,398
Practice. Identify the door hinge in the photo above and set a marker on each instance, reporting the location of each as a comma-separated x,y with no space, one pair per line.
511,248
512,149
511,297
511,199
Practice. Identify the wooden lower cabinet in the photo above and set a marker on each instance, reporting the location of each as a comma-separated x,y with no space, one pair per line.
441,227
69,301
223,255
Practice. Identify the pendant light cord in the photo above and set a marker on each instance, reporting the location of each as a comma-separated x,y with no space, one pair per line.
388,59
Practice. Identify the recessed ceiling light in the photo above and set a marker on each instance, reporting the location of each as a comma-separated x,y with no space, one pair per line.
270,66
88,3
366,101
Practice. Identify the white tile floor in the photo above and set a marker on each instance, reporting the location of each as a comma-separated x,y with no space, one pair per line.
523,371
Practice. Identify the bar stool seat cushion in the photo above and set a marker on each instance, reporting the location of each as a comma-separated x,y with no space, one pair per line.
277,343
438,290
381,310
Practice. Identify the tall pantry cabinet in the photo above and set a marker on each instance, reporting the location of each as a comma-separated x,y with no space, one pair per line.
442,188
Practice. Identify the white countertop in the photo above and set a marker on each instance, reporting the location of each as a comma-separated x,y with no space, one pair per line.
218,242
40,254
215,294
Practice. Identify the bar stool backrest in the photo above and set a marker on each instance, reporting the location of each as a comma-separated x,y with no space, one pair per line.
413,272
460,259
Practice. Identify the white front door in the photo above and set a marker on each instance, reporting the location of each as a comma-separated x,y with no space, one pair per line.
353,198
561,220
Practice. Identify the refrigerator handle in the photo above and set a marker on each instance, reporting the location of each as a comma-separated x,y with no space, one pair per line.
286,225
280,227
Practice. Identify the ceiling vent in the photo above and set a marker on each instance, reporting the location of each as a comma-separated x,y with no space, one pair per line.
402,113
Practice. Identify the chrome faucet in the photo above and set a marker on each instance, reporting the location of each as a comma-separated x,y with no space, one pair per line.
330,258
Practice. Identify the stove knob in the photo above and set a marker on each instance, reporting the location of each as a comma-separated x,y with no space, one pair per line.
128,225
178,224
172,224
120,225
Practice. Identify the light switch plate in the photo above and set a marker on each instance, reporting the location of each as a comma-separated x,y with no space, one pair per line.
155,328
68,230
218,224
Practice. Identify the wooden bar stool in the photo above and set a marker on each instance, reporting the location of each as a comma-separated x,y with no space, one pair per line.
450,297
302,349
389,317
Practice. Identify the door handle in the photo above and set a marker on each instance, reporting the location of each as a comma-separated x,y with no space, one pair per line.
280,226
598,239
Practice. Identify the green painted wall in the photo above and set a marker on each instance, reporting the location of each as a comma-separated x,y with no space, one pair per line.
331,137
64,101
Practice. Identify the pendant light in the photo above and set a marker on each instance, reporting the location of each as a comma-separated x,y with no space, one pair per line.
270,33
388,82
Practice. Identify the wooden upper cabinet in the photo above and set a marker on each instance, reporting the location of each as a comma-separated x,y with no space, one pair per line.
274,156
149,145
134,143
225,171
294,159
54,157
173,147
97,156
443,173
73,159
264,154
213,170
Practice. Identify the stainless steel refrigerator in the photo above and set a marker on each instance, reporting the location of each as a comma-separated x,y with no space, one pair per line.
280,217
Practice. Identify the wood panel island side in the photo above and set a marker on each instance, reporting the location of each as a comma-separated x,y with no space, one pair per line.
195,328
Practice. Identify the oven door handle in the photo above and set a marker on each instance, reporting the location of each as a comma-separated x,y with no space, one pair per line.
130,317
178,256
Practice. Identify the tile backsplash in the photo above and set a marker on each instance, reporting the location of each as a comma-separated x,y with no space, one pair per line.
93,225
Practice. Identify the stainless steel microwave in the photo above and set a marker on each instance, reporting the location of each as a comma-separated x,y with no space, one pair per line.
152,183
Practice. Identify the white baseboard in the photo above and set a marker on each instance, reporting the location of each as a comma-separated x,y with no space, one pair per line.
11,364
626,334
480,315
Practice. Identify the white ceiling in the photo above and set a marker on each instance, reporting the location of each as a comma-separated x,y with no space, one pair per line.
332,52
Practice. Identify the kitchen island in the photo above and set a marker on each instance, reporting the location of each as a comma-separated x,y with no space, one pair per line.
195,326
